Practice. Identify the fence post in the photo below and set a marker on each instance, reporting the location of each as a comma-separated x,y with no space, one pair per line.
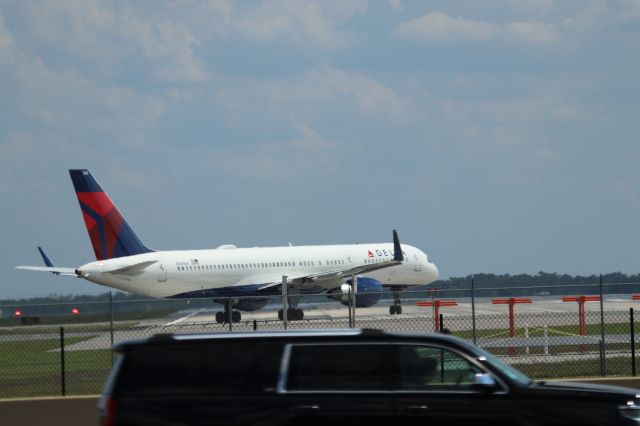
441,323
111,323
633,343
603,362
546,340
63,385
473,310
229,314
354,290
285,301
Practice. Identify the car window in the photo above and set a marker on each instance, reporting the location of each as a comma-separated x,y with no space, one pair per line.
211,369
432,368
377,367
511,372
340,367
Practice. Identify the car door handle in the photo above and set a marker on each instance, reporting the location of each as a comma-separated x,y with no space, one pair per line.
421,407
308,407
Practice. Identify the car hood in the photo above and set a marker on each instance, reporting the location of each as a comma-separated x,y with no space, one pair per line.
585,389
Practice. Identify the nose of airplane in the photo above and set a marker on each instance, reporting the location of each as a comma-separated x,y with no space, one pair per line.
434,271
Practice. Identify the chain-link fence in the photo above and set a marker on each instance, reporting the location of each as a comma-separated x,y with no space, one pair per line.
65,349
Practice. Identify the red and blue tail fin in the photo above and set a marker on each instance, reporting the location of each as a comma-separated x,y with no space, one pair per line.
110,234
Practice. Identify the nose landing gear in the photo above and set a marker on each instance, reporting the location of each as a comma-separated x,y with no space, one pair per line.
396,308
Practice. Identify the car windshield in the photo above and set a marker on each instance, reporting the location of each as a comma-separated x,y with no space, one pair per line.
514,374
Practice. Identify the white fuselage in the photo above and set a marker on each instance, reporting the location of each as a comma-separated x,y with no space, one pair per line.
183,272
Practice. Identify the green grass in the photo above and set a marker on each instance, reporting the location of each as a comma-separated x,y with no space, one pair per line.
30,329
561,330
576,368
88,318
32,368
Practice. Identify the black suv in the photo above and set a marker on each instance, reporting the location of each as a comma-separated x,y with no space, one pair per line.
334,377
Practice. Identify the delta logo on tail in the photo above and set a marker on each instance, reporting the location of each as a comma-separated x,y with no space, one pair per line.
110,234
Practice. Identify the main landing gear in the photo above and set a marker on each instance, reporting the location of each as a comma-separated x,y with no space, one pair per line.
222,317
396,308
293,314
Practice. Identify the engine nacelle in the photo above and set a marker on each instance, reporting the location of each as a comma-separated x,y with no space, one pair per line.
369,292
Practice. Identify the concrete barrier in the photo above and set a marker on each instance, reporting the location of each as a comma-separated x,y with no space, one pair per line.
54,411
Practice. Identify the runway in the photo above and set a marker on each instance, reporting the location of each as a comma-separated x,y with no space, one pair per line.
544,312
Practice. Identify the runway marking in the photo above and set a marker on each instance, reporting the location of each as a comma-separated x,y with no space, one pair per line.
179,320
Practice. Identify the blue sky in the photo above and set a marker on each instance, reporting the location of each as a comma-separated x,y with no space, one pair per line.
498,136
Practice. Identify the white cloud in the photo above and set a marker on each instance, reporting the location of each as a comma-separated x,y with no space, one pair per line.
67,100
530,7
297,22
630,10
169,43
323,90
104,38
7,47
437,26
24,152
532,32
598,15
287,158
368,95
396,5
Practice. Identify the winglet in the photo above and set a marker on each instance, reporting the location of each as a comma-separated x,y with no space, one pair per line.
45,258
397,249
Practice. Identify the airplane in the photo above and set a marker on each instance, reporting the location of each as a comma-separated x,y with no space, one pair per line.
241,279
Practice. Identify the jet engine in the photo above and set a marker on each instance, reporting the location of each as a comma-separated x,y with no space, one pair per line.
368,294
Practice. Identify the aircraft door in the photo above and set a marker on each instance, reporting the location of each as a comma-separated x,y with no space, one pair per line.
162,273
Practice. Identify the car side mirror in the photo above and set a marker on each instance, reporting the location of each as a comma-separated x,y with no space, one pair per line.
484,382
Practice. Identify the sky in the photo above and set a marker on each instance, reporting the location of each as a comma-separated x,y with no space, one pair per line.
497,136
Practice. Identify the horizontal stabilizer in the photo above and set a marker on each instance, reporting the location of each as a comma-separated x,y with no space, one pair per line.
53,269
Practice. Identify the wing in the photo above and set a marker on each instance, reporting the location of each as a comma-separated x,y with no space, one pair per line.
70,272
338,274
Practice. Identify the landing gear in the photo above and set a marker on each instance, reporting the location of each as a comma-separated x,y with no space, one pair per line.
293,314
221,317
396,308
